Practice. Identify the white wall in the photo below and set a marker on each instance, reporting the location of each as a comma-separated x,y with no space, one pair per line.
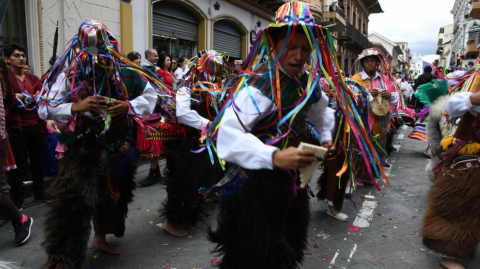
140,26
70,14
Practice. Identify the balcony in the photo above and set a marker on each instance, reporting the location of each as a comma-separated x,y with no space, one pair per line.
475,10
472,50
334,18
353,37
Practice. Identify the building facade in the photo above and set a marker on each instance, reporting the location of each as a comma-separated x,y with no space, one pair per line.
174,27
466,31
394,49
444,44
348,23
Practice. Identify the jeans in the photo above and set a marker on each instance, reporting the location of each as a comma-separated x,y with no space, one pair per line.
27,144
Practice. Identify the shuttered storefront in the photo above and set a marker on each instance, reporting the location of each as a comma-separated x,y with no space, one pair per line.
174,29
170,26
227,38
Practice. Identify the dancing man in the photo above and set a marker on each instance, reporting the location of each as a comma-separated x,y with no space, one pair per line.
99,92
264,213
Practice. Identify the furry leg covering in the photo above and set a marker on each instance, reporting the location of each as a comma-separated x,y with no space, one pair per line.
78,188
450,225
186,173
262,224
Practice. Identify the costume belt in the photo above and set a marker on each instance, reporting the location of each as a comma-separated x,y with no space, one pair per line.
465,162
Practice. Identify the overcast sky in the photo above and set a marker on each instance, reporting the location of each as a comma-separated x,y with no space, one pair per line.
414,21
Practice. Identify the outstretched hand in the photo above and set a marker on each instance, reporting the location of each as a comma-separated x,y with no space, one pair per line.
292,158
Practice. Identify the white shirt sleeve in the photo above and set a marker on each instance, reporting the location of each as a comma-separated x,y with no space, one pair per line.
179,73
323,118
394,99
145,103
60,112
460,103
184,113
240,147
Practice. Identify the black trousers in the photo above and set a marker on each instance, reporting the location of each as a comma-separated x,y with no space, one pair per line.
7,207
26,144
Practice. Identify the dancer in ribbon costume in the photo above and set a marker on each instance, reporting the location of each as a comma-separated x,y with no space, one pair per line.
100,91
450,225
197,104
378,84
332,182
264,214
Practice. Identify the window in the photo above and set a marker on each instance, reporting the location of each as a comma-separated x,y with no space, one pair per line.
13,27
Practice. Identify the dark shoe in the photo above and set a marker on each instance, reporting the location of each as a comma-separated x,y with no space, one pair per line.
22,230
386,165
149,180
44,197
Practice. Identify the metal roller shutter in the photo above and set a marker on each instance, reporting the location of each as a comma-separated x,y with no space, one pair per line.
169,26
226,42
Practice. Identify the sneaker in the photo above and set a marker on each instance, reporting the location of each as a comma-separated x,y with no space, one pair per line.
22,230
386,165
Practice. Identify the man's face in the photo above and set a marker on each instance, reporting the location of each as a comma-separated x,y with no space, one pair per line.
153,57
17,59
397,75
298,55
369,64
26,68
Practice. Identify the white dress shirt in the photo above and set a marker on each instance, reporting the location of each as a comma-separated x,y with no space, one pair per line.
185,114
245,149
143,104
460,103
393,100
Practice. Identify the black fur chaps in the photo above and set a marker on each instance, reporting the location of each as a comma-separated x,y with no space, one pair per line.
262,224
186,173
80,191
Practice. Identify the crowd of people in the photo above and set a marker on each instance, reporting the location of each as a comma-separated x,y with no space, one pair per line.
235,132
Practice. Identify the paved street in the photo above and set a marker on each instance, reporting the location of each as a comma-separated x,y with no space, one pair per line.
391,239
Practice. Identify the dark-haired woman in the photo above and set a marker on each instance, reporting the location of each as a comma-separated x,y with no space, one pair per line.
165,71
135,57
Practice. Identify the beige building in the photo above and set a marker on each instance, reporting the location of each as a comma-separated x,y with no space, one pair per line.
444,44
348,22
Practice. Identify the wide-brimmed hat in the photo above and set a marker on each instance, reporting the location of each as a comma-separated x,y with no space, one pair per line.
370,52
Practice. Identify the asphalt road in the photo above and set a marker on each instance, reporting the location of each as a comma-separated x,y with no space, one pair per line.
391,239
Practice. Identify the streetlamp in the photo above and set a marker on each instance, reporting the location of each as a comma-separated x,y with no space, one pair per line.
216,6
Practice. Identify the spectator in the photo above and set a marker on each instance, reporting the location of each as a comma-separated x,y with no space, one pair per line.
151,59
165,70
22,224
182,68
174,65
424,78
26,68
239,64
135,57
25,129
